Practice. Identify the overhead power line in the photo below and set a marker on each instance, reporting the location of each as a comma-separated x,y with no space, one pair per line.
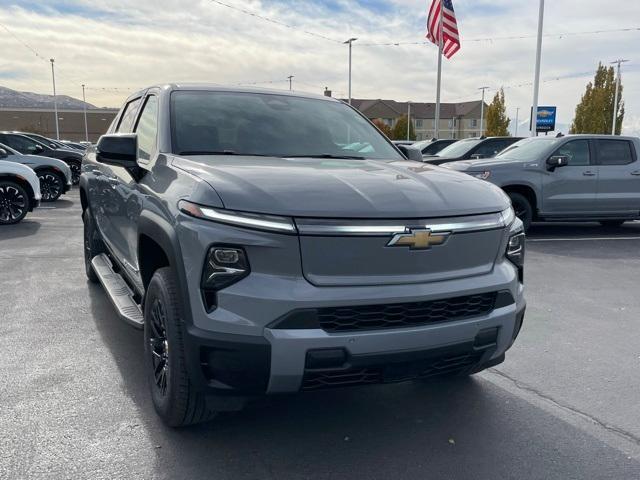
515,37
274,21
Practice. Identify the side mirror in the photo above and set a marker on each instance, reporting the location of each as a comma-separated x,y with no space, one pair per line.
411,153
3,153
118,149
38,148
477,156
557,161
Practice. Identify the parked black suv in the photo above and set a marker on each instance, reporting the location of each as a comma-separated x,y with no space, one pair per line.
29,146
472,148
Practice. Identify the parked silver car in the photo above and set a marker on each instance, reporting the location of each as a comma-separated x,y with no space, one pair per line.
54,175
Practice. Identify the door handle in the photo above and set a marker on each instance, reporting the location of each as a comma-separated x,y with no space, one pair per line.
636,173
589,173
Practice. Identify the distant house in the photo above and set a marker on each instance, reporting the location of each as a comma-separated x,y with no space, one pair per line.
457,120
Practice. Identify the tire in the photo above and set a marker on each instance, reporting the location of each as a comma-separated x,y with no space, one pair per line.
51,185
75,167
14,202
174,397
92,245
522,207
612,223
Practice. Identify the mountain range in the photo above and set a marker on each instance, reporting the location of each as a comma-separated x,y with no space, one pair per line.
15,99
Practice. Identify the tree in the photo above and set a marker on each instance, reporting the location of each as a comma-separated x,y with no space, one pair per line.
594,113
400,130
383,127
496,114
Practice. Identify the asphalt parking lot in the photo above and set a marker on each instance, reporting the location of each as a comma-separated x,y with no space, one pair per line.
564,405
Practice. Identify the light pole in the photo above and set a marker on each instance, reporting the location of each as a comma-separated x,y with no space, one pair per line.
350,43
517,114
536,78
408,119
482,109
615,100
84,108
55,99
290,77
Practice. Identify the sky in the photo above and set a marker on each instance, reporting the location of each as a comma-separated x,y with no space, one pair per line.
115,47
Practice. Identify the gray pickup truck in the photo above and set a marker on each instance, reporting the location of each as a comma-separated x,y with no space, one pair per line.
271,242
567,178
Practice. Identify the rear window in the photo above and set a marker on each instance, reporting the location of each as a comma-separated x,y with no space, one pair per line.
614,152
459,148
206,122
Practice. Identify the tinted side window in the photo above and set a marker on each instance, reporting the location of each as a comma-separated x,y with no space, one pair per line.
614,152
21,144
577,151
488,149
129,115
147,128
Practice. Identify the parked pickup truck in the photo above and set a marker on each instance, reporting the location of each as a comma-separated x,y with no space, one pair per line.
270,242
567,178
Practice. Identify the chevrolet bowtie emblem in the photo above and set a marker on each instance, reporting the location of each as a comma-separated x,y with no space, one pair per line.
418,239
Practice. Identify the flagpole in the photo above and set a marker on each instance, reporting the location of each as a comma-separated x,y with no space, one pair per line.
440,34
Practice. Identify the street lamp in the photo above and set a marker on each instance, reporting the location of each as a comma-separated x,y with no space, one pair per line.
536,77
84,108
408,119
55,99
482,109
350,43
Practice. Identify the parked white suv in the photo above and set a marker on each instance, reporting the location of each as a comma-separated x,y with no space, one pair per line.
19,192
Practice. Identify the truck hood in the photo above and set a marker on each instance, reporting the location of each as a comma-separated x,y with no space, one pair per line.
483,164
310,187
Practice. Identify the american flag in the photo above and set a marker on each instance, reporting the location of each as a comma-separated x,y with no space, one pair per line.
449,31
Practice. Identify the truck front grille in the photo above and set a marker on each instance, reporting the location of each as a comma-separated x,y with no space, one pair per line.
372,317
393,372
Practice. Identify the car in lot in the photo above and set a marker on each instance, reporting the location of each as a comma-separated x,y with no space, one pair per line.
471,148
29,146
19,192
434,145
567,178
263,252
54,175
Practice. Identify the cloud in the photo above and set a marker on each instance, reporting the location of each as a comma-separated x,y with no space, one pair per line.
116,46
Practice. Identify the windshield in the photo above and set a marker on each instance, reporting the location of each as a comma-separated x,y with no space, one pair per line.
237,123
458,149
528,148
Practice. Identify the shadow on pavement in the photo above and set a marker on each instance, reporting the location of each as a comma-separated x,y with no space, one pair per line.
26,228
465,428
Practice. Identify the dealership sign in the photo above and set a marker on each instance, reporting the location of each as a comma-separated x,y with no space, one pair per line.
546,119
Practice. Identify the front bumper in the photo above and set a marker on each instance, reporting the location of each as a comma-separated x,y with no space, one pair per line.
290,360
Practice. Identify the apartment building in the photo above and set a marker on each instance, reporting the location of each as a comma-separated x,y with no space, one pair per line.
457,120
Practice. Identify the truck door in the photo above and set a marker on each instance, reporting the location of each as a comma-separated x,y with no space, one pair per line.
571,190
618,177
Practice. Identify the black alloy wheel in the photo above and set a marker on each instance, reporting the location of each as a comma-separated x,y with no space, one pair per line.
14,203
51,186
75,172
159,346
522,208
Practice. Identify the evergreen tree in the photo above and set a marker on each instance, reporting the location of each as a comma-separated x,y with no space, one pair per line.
496,117
594,113
383,127
400,129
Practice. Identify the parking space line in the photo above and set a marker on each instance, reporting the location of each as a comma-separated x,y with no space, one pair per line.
579,239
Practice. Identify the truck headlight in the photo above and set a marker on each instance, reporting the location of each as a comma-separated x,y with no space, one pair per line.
515,249
480,175
223,267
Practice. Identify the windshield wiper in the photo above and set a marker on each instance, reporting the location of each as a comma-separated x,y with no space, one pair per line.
328,155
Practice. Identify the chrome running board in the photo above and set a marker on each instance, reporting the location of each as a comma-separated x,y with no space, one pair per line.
118,291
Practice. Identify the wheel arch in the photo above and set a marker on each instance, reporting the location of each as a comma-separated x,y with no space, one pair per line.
23,183
527,191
